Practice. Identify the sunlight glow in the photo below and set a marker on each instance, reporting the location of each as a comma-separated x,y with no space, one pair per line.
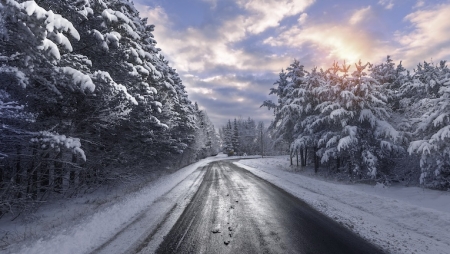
339,46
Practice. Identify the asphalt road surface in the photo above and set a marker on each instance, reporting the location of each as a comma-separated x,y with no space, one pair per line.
235,211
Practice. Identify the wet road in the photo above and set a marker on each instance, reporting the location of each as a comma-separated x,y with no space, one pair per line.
235,211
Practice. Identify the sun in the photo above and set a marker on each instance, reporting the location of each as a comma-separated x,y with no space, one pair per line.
341,49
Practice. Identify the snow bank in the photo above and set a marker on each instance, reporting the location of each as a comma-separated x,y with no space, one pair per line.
398,219
91,232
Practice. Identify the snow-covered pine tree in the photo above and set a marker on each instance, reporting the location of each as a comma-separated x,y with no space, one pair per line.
392,78
289,106
227,138
241,137
235,138
247,135
35,46
308,134
87,69
431,121
206,135
356,105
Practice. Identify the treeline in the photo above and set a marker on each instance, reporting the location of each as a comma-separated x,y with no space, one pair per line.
86,98
379,122
245,137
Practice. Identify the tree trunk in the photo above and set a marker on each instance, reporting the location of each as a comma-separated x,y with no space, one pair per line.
290,156
316,161
31,172
82,177
338,163
306,155
58,172
45,172
72,172
262,143
18,178
34,187
1,179
301,157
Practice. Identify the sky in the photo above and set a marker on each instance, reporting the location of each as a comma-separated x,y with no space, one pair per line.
229,52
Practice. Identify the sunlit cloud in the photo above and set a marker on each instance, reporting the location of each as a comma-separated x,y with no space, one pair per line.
201,90
360,15
302,19
333,43
268,13
430,37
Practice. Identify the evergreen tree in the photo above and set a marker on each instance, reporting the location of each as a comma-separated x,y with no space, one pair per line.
88,73
235,138
432,126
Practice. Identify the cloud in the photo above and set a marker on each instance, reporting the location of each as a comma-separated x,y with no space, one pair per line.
330,43
156,15
360,15
387,4
230,96
220,43
196,49
228,62
268,13
419,4
429,38
302,19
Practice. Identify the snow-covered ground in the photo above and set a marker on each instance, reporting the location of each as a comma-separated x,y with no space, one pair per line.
398,219
83,225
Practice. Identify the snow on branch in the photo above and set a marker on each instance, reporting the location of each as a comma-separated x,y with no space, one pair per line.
79,78
158,123
57,141
106,77
19,75
45,25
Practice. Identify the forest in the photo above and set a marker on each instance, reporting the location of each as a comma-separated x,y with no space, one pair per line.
86,98
367,121
246,137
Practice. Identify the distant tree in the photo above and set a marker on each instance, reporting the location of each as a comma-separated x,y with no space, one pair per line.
235,138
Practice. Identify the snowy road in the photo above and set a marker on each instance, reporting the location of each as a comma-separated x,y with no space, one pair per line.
185,207
236,212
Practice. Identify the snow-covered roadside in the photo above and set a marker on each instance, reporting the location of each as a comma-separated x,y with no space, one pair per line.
399,220
85,234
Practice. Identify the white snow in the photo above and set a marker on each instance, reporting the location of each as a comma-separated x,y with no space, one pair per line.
106,14
398,219
86,234
130,31
79,78
50,47
56,140
106,77
97,35
22,79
